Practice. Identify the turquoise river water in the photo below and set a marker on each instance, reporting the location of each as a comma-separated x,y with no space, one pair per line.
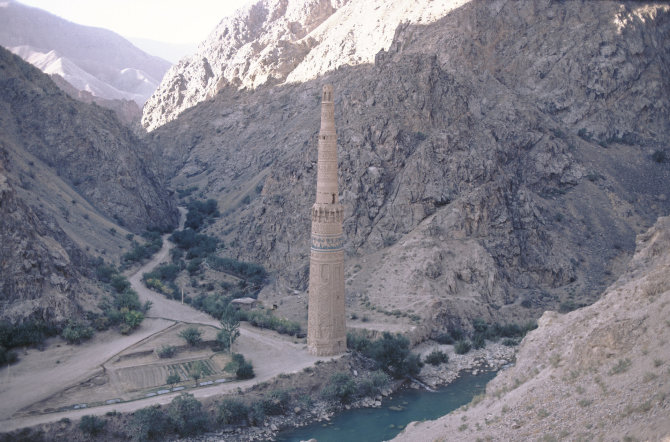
405,406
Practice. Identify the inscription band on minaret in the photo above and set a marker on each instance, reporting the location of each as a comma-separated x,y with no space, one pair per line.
326,329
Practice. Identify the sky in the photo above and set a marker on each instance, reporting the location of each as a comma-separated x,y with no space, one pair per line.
173,21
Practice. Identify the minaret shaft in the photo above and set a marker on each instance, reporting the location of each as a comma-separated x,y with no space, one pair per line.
326,330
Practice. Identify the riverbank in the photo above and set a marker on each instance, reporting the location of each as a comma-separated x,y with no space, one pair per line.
293,400
308,384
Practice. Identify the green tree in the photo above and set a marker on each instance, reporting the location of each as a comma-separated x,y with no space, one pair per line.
187,416
192,335
149,424
92,425
230,328
196,370
172,379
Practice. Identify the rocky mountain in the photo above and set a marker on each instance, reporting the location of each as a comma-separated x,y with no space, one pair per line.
41,266
597,373
490,166
273,41
90,59
75,182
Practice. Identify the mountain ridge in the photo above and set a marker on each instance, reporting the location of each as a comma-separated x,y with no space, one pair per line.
92,59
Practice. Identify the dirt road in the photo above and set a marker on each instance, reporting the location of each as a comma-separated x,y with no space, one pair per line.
42,374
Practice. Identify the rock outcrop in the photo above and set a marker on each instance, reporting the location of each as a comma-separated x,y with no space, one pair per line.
276,41
41,267
90,59
475,183
84,144
600,372
74,184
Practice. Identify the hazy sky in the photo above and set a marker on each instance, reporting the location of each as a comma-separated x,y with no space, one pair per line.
174,21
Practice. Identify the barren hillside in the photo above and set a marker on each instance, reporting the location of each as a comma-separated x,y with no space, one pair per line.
599,373
489,166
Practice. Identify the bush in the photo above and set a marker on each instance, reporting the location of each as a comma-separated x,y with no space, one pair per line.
266,319
192,335
436,357
76,333
392,353
166,351
444,338
92,425
357,341
149,424
245,371
276,403
340,388
232,412
242,368
256,413
462,347
478,341
186,415
374,384
172,379
659,156
7,356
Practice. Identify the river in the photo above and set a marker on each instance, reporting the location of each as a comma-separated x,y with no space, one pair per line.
405,406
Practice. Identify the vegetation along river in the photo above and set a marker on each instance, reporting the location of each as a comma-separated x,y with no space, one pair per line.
405,406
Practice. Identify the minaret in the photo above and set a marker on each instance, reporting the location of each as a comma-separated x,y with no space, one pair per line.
326,332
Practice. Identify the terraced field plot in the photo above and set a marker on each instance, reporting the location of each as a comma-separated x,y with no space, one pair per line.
144,377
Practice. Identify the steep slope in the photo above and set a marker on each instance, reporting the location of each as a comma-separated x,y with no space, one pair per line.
272,41
91,59
599,373
466,193
41,267
85,145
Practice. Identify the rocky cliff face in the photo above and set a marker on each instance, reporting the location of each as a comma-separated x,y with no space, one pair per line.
489,166
41,267
273,41
74,182
597,373
86,145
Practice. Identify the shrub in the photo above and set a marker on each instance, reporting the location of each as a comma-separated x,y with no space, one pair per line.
149,424
437,357
510,342
92,425
374,384
245,371
444,338
76,333
172,379
7,356
256,413
166,351
192,335
392,353
242,368
462,347
232,412
276,403
659,156
340,388
186,415
357,342
478,341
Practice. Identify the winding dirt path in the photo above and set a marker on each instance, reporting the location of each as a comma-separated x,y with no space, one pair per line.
42,374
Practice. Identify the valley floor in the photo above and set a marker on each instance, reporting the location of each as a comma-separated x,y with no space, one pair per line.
46,380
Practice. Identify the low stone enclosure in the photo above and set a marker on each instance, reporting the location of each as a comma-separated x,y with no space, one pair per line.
138,372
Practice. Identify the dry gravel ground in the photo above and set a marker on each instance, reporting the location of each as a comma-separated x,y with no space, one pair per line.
42,374
598,373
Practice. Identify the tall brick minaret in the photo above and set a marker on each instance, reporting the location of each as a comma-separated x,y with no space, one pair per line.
326,332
